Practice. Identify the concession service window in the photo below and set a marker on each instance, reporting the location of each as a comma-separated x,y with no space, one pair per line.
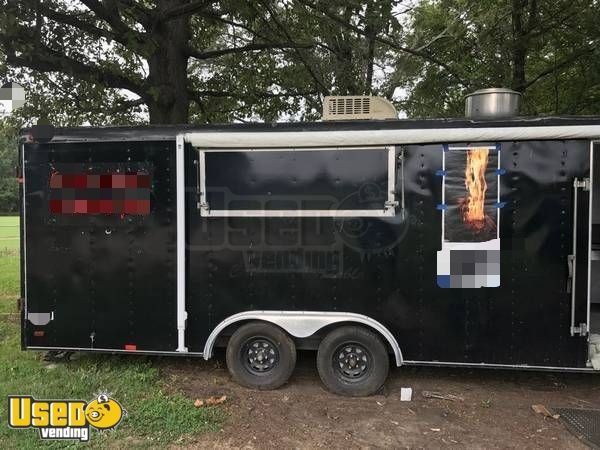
298,182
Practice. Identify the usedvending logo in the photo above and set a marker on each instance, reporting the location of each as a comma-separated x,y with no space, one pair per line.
64,419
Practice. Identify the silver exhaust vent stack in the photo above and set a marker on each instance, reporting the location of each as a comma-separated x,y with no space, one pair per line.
493,103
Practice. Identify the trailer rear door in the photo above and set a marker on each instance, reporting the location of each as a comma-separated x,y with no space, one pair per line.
99,253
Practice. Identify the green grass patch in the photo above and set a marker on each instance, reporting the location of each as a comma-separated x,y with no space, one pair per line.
9,280
155,417
11,221
9,263
9,235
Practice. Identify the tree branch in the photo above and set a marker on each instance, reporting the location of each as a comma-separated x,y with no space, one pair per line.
143,14
246,48
122,35
109,15
415,52
44,59
127,104
318,81
559,65
199,96
217,17
109,12
68,19
443,34
184,10
119,106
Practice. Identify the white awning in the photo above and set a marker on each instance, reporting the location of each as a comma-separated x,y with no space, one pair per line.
287,139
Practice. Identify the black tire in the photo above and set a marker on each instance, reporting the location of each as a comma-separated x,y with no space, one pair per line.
353,361
261,356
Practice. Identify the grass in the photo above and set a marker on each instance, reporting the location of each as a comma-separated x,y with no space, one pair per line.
156,417
9,234
9,263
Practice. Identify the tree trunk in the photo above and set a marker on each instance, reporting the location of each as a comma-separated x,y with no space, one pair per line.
371,27
344,70
167,94
519,50
522,42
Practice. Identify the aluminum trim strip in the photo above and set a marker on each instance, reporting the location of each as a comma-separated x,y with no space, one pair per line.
391,178
498,197
202,180
574,255
389,211
474,146
24,184
116,350
181,281
443,198
498,366
291,148
590,226
300,213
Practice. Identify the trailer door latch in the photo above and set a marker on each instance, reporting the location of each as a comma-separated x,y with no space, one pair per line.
581,330
570,260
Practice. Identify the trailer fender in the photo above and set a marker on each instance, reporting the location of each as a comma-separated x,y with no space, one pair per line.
303,324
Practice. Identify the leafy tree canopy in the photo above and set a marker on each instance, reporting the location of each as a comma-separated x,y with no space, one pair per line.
175,61
547,50
194,61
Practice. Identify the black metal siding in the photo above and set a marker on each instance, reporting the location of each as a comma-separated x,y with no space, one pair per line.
120,286
385,268
108,278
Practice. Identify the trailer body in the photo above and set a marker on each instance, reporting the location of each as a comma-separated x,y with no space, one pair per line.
165,239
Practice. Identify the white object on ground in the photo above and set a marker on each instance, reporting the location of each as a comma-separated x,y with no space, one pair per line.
405,394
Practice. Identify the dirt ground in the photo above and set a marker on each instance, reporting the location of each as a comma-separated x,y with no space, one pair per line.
493,411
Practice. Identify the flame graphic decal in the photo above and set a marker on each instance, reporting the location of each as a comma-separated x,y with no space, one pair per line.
473,206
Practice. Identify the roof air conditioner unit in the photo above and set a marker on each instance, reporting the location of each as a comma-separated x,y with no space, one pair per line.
357,107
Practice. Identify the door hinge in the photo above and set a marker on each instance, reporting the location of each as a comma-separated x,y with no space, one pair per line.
581,330
583,183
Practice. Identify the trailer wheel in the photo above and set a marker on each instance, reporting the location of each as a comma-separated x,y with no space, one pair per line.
261,356
352,361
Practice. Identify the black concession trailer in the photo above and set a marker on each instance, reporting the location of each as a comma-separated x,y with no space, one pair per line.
420,242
